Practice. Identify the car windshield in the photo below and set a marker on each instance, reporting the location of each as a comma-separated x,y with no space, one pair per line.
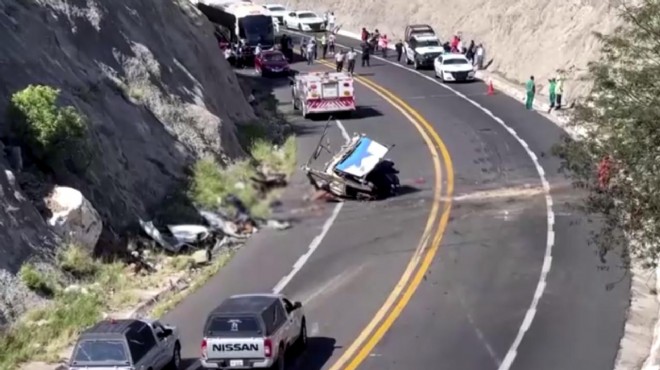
257,29
306,15
274,57
236,324
101,352
277,9
425,43
455,61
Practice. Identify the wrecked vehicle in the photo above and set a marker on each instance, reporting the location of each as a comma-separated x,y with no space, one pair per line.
358,171
180,238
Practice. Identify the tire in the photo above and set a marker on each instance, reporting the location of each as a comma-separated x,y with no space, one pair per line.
406,58
435,72
442,77
175,363
280,363
416,64
301,342
286,25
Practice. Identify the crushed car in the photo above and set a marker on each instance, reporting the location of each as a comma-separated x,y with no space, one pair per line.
359,170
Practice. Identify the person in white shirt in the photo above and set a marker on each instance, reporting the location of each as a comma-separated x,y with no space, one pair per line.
331,22
339,59
310,52
479,60
331,43
257,50
324,46
351,55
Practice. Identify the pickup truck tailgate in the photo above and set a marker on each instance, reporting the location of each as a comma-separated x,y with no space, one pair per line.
225,348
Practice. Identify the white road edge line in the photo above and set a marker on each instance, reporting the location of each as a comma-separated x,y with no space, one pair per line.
318,239
550,240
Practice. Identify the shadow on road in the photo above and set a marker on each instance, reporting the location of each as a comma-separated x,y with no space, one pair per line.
318,352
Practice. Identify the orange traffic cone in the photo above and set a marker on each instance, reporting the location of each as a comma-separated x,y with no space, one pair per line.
491,88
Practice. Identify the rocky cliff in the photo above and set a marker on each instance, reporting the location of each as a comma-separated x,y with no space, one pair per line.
523,37
157,94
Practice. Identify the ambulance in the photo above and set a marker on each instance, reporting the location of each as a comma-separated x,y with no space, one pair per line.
323,92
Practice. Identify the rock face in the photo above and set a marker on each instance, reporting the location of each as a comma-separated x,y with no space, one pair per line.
158,93
524,37
74,218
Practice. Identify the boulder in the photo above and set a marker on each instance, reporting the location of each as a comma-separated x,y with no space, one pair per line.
73,217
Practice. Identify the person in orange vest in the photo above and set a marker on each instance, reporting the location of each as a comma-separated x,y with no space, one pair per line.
383,43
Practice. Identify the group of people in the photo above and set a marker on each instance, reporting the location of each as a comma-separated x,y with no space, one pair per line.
473,52
555,92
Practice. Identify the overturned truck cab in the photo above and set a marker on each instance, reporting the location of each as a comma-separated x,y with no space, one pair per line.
359,170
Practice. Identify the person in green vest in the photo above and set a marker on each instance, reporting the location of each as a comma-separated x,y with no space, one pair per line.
552,91
531,91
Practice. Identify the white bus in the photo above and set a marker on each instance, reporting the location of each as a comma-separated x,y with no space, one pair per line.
241,20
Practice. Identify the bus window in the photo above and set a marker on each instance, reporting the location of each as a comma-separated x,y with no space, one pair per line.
256,29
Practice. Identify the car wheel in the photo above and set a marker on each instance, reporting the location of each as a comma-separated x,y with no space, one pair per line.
435,72
442,77
405,59
175,363
286,25
301,342
416,64
279,363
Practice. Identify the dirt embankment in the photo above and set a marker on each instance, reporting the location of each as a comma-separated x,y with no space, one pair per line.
157,93
523,37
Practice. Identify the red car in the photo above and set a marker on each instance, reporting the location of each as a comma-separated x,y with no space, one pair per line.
271,62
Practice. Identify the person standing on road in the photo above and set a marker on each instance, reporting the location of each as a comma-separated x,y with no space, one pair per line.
531,91
351,55
399,50
332,22
324,46
365,34
310,53
331,43
384,43
479,59
366,51
560,90
339,59
552,92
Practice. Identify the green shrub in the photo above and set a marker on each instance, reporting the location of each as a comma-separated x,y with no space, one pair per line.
49,329
35,280
77,261
282,159
212,183
46,128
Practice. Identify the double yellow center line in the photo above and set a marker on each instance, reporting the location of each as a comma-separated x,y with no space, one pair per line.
428,246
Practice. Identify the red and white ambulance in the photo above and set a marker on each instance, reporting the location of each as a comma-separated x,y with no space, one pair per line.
323,92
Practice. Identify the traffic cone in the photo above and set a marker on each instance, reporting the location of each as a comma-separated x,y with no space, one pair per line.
491,88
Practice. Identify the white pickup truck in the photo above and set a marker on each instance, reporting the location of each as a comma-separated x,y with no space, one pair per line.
253,331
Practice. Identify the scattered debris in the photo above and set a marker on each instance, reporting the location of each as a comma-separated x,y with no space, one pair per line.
357,171
221,230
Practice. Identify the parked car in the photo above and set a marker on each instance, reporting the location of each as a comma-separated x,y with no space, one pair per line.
271,62
304,20
127,344
453,67
277,11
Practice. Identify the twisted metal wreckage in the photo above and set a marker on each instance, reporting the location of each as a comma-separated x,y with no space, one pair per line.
359,170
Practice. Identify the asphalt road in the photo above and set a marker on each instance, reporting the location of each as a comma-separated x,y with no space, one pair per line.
468,310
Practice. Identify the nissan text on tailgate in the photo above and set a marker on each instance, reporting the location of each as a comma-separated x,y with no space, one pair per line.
252,331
